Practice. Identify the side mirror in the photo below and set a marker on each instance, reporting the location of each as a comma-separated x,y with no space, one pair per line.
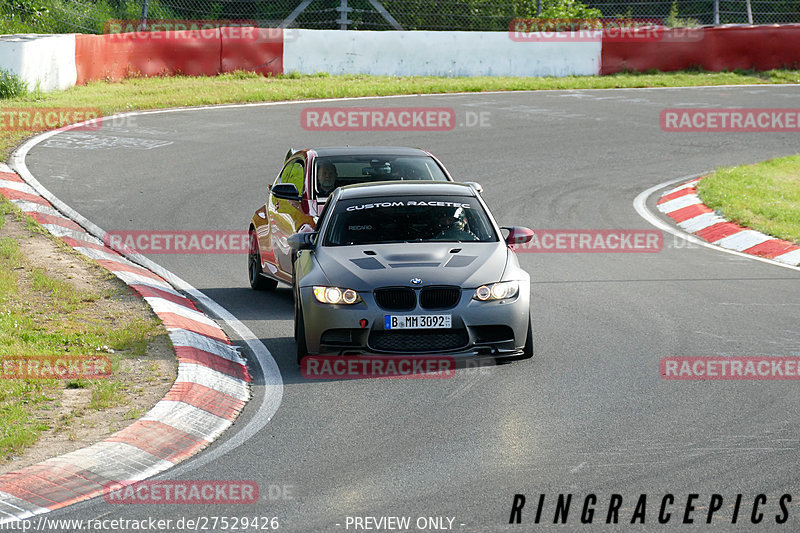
475,185
302,241
286,191
518,235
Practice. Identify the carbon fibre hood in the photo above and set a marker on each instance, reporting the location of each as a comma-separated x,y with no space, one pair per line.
368,266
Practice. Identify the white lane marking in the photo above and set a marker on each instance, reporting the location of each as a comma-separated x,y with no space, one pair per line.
743,240
94,253
116,460
213,379
689,185
183,337
162,305
17,186
272,379
189,419
33,207
131,278
790,258
695,224
61,231
640,204
679,203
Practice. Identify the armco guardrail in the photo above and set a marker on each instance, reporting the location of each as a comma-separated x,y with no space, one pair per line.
57,62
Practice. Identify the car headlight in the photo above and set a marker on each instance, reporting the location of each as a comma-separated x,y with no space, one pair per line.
335,295
497,291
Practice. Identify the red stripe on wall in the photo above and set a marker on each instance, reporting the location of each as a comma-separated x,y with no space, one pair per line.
207,53
712,48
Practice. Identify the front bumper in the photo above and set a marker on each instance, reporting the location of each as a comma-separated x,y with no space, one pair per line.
479,329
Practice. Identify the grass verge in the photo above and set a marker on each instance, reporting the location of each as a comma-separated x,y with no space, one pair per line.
244,87
764,196
54,302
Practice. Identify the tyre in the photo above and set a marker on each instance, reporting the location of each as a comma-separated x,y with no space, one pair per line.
300,334
254,272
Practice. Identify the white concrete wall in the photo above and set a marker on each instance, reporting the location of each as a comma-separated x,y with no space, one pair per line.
48,60
433,53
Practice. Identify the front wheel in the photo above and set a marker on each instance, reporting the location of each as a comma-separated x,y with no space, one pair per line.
300,334
254,272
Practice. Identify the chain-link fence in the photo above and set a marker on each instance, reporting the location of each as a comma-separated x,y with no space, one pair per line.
93,16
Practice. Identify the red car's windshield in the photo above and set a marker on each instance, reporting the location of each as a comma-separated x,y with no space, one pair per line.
338,171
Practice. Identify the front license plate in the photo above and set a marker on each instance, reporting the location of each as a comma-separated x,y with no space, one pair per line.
417,321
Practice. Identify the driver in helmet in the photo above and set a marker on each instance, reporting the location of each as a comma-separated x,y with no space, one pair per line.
451,226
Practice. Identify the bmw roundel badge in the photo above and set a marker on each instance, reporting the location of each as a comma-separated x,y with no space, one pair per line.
416,281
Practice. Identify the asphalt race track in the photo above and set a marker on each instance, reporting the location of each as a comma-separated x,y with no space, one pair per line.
589,414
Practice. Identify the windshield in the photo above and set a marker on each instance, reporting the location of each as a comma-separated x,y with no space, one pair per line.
338,171
408,219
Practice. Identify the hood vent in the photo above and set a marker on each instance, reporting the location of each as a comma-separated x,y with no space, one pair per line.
458,261
419,265
368,263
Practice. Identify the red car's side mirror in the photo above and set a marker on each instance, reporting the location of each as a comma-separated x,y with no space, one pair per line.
518,235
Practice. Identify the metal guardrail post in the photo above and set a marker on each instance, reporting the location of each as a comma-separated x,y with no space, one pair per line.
145,6
343,11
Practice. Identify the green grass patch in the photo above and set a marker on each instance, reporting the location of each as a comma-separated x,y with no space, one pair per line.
107,394
245,87
11,85
43,314
61,293
764,196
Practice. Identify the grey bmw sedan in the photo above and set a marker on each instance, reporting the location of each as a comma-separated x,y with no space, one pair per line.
411,268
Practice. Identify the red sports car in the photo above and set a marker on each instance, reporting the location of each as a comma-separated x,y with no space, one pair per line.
297,196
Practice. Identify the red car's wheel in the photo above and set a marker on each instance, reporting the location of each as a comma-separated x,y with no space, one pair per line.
257,280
